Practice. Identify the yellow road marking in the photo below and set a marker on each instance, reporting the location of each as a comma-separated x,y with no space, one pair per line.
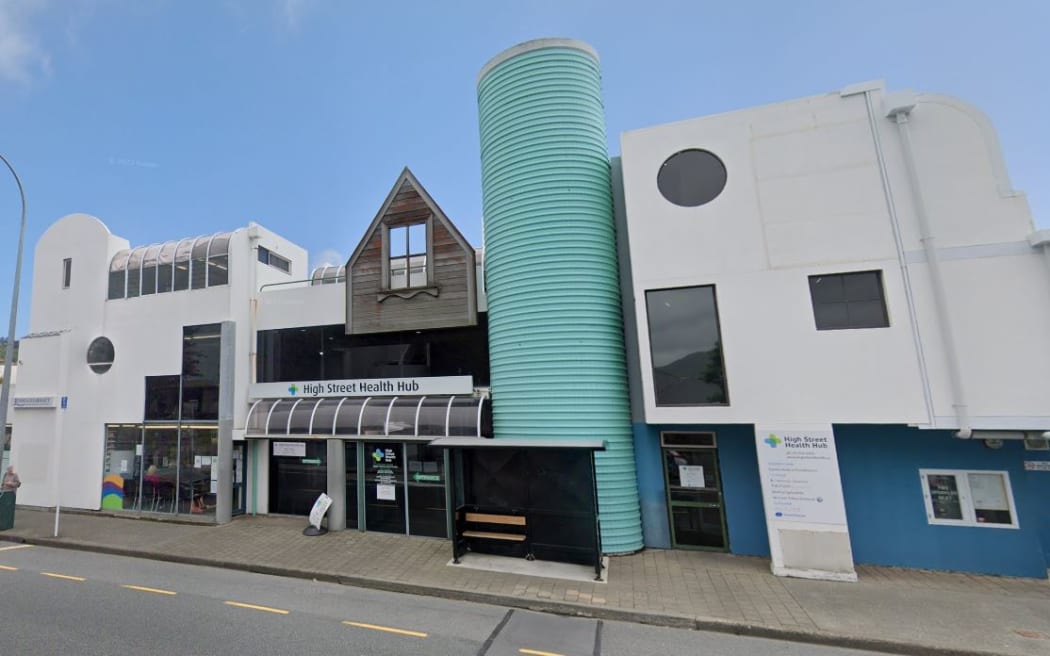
63,576
142,589
388,629
17,546
253,607
8,569
533,652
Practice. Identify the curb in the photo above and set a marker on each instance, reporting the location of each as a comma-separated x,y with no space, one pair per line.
553,607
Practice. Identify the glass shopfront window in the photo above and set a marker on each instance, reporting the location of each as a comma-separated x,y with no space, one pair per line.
151,468
122,469
160,451
198,483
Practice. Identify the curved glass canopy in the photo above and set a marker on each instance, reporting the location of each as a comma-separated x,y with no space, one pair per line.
171,266
421,417
328,275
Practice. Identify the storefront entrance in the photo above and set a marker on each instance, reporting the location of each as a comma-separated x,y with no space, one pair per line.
391,487
694,491
404,488
298,475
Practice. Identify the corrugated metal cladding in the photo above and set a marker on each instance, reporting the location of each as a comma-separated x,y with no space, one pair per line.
555,324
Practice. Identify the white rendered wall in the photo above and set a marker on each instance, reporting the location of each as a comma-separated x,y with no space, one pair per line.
146,332
805,196
302,305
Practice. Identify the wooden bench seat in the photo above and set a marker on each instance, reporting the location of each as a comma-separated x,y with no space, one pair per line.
478,525
513,537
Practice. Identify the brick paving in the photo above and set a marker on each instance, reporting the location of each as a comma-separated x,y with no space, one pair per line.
915,611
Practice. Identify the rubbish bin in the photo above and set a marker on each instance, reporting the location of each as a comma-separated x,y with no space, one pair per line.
7,510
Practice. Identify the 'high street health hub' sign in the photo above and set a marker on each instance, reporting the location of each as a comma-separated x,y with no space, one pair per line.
419,386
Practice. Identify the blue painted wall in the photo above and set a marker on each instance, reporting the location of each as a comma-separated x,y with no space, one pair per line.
880,466
741,488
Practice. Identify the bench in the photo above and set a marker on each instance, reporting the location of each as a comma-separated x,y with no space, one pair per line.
495,526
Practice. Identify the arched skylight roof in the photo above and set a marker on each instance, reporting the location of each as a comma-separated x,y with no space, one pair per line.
172,266
328,275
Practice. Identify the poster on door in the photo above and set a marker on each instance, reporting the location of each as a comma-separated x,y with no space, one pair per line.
691,475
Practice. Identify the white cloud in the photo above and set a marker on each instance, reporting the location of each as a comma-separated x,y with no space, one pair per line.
329,256
21,55
293,11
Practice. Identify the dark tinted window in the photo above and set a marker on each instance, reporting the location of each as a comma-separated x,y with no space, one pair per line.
686,345
327,352
691,178
199,264
162,398
134,278
848,300
218,270
116,284
149,280
200,372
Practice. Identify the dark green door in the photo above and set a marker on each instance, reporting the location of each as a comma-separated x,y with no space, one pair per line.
694,498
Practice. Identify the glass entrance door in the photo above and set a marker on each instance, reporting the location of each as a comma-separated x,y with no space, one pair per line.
385,487
298,475
694,494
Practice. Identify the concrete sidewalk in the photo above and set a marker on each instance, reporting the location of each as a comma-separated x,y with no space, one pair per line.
889,609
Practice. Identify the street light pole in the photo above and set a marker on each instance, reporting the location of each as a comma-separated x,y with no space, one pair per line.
5,388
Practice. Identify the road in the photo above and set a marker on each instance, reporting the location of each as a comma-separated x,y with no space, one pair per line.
57,601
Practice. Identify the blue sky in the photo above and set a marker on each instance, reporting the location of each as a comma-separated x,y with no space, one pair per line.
172,118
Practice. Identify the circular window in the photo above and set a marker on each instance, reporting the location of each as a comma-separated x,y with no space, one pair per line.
100,355
691,178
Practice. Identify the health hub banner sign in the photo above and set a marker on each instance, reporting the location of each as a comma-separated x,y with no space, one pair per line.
800,470
421,386
804,505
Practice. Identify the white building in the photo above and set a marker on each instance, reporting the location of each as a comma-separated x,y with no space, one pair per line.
854,268
89,287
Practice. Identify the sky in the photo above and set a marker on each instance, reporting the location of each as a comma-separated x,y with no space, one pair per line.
174,118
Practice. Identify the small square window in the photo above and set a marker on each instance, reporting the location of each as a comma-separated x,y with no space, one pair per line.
848,300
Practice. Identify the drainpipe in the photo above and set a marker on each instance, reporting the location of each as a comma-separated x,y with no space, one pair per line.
900,114
902,261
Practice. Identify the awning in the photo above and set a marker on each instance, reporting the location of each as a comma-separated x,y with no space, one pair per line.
516,443
416,417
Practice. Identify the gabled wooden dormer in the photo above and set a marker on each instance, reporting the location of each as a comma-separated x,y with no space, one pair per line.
413,270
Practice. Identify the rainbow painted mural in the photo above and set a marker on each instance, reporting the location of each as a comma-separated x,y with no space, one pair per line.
113,492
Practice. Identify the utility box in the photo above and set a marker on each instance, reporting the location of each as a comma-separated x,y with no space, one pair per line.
7,510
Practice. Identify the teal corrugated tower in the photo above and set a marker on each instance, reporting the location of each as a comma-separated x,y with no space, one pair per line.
555,323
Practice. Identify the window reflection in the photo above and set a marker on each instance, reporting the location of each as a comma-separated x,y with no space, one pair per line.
686,346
